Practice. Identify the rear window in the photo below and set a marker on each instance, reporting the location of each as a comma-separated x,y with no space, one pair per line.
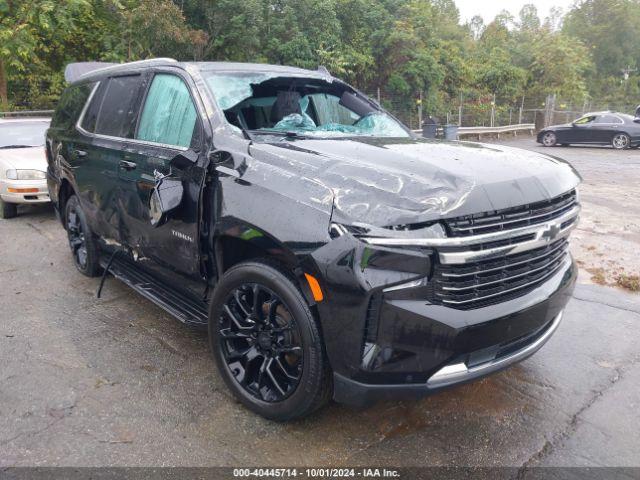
119,110
91,113
71,103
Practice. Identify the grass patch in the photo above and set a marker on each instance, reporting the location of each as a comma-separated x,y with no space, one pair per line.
598,276
628,282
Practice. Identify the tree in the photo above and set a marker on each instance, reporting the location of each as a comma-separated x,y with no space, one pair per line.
609,29
29,29
560,64
156,28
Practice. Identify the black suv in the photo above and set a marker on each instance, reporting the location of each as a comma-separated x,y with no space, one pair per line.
329,251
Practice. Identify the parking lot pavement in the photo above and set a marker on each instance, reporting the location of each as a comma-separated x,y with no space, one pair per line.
116,381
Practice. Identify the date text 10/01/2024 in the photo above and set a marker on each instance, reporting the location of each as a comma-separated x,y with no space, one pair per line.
316,472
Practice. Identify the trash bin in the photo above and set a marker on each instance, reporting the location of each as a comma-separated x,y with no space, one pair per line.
430,127
450,132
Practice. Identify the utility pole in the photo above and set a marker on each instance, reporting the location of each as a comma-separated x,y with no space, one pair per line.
419,102
521,109
493,111
626,72
460,111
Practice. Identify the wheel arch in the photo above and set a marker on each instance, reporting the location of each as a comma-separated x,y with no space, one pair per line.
65,191
248,243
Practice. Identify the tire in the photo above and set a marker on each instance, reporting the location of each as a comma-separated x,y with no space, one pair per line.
621,141
83,243
272,357
8,210
549,139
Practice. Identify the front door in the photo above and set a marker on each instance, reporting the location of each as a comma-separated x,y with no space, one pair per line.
168,126
582,130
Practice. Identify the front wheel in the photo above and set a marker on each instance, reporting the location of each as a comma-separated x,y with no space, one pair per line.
267,343
621,141
8,210
549,139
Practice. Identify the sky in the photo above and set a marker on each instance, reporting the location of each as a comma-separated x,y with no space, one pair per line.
488,9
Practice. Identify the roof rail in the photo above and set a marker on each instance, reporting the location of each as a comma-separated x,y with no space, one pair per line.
75,71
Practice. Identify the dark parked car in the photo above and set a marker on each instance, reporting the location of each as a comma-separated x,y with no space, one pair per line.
619,130
329,252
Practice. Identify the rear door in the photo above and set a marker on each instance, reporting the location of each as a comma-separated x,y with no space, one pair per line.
108,121
605,126
168,126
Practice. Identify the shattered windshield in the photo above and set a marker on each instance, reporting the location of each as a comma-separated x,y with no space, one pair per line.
308,107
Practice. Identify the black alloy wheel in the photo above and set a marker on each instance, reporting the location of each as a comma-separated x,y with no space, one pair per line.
267,343
81,240
261,343
77,239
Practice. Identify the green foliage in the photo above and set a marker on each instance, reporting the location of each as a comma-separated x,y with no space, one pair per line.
404,48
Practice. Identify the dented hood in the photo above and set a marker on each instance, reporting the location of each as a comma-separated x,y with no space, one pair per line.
385,182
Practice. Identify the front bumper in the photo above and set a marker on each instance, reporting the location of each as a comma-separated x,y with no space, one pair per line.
417,347
459,350
24,191
359,394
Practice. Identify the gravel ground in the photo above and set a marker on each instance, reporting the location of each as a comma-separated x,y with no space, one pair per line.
118,382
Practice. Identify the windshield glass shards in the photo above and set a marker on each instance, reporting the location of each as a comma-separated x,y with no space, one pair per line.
307,106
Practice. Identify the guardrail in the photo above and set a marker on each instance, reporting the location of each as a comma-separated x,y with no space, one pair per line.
479,131
27,113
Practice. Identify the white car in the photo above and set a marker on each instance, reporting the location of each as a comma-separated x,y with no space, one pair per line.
23,164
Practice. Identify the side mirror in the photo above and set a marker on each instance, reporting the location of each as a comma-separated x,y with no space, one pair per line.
166,196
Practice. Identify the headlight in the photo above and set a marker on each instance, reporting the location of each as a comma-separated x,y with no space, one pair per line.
26,175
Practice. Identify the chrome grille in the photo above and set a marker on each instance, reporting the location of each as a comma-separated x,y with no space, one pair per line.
493,257
511,218
473,285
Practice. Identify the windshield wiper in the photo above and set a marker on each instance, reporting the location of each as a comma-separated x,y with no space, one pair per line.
280,133
18,146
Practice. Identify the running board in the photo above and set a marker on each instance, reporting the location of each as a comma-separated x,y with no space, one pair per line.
186,309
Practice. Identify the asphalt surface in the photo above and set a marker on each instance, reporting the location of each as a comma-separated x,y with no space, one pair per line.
118,382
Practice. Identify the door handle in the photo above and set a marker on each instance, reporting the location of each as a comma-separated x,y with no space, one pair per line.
128,165
80,153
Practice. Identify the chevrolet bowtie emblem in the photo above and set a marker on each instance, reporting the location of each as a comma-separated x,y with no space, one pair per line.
551,232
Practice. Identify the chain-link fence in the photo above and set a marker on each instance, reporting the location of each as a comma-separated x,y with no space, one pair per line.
489,111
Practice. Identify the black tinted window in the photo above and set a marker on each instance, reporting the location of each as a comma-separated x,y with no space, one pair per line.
70,105
119,111
91,114
608,119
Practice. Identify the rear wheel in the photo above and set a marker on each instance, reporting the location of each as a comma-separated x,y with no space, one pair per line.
621,141
549,139
82,242
8,210
267,343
